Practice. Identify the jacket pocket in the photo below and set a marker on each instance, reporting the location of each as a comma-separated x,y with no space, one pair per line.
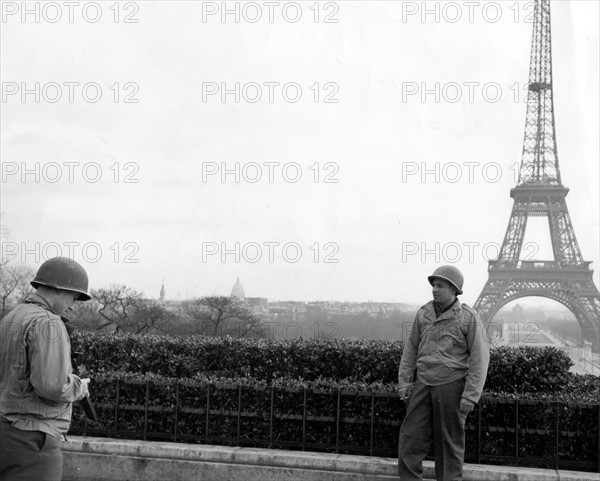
451,340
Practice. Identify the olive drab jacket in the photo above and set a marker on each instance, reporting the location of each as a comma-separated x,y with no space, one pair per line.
37,384
446,348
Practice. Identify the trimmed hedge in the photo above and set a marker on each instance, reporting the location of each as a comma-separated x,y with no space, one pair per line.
512,370
528,369
185,357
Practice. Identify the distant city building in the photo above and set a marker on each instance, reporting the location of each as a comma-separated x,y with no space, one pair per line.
257,302
238,290
258,305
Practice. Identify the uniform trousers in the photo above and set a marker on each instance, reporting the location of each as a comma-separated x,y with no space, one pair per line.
433,416
28,455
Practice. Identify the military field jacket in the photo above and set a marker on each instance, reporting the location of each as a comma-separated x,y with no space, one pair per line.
446,348
37,384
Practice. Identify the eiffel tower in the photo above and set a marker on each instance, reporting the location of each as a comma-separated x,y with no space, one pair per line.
540,193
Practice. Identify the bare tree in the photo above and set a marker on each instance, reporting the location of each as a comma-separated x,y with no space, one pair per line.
4,234
117,305
14,283
85,315
7,285
121,308
223,316
14,278
149,316
24,287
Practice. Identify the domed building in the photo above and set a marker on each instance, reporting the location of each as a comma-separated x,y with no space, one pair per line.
238,290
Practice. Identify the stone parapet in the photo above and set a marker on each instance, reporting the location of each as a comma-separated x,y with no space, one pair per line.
105,459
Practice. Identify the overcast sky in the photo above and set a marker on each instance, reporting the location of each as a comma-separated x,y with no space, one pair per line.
319,151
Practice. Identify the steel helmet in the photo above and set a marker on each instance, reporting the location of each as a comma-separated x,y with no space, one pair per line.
450,274
63,273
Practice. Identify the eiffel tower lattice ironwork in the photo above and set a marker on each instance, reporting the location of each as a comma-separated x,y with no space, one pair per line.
539,192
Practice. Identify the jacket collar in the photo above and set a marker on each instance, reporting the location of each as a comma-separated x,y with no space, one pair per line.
451,313
41,301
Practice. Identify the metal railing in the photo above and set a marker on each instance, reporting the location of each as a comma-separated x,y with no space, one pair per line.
520,432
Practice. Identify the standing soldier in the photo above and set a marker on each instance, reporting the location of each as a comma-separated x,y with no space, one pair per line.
443,369
37,384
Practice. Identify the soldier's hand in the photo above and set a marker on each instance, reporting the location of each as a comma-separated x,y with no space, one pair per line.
466,406
85,383
405,392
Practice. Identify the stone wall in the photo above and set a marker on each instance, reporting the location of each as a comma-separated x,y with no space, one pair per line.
104,459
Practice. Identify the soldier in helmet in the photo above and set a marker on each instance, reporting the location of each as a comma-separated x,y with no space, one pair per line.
442,372
37,384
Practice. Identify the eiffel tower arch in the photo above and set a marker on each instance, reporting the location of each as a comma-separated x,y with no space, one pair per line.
539,193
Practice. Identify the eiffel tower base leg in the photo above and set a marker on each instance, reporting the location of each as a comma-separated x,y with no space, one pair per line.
573,288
